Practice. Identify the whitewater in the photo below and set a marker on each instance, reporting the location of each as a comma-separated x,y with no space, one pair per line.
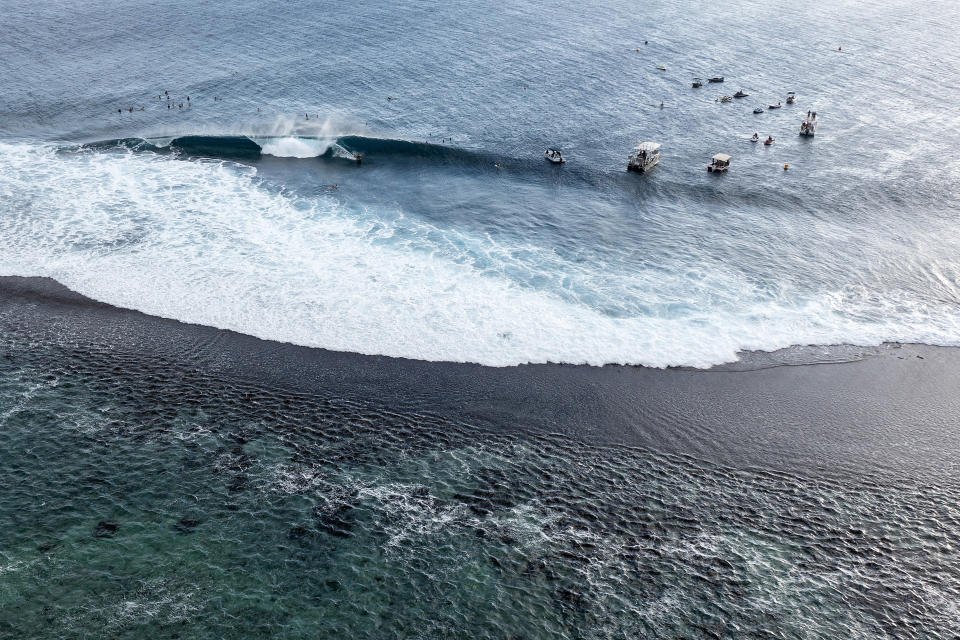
212,242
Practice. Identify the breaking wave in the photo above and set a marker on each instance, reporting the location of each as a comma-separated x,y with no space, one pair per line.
206,241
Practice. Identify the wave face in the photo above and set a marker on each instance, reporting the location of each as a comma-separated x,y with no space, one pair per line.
212,242
302,145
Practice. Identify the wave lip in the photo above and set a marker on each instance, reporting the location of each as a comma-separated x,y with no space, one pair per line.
250,146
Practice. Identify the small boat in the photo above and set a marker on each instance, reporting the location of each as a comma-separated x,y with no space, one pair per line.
809,125
661,67
768,141
726,99
697,83
715,79
740,94
791,97
755,138
758,110
774,106
719,164
644,157
554,155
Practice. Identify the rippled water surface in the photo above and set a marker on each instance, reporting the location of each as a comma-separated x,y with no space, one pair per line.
144,499
380,465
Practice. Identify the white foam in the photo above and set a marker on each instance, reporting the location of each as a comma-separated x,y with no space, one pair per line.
289,137
205,242
291,147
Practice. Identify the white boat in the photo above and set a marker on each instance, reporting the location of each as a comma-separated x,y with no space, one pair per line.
719,164
809,125
791,97
774,106
644,157
554,155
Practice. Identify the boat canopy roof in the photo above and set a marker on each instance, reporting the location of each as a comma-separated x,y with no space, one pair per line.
649,147
722,157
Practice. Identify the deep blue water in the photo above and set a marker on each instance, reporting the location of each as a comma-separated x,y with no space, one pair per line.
152,491
428,250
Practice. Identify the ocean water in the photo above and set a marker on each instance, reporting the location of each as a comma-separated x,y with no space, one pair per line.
168,480
148,495
222,212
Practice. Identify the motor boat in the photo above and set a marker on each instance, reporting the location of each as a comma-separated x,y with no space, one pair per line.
697,83
774,106
719,164
740,94
768,141
644,157
755,138
809,125
661,67
715,79
554,155
791,97
726,99
758,110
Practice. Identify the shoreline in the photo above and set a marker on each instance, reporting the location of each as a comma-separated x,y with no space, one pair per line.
891,410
